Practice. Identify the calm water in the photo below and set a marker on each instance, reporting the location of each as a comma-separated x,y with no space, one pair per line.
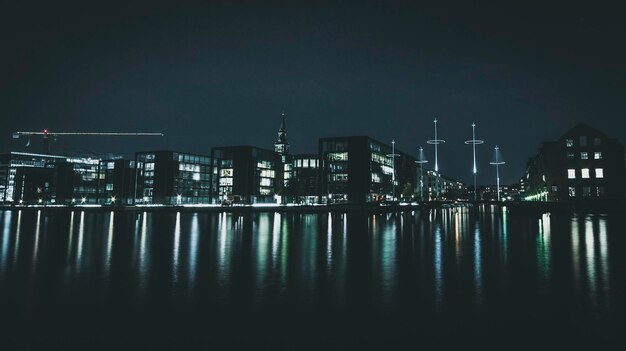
316,281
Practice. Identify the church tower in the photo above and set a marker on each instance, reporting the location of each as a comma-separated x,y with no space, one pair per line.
281,145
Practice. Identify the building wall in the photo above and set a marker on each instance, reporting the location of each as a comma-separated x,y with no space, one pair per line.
583,164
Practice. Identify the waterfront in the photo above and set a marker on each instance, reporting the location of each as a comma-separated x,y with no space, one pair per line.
473,276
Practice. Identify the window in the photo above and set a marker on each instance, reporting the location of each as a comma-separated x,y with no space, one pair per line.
376,178
599,173
339,177
338,156
597,141
600,191
571,174
586,191
572,191
266,182
569,142
584,173
597,155
583,140
584,156
555,188
570,155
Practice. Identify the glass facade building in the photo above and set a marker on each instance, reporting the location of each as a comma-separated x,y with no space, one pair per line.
172,178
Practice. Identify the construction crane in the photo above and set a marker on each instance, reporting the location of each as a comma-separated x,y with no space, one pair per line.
46,135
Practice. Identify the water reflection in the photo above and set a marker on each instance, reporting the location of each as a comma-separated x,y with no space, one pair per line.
441,258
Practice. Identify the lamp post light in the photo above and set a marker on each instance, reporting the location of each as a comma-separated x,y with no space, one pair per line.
393,156
436,143
421,159
474,142
497,161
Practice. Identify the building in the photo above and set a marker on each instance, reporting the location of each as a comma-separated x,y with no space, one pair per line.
301,182
584,163
116,182
247,174
360,169
47,179
172,178
439,187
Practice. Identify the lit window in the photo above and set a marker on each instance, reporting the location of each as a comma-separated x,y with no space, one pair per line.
569,142
583,140
572,191
597,155
571,174
555,188
584,173
600,191
599,173
584,156
266,182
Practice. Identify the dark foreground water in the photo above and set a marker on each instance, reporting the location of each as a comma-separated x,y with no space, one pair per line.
440,279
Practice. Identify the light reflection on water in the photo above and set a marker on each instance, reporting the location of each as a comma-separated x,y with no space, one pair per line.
432,259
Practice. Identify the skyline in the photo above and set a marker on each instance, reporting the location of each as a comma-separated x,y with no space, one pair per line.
220,74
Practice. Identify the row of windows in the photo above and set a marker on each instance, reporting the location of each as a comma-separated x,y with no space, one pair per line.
587,191
584,173
337,156
585,155
306,163
582,141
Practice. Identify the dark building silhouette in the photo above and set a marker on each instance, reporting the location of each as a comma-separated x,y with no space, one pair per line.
281,145
116,182
247,174
583,164
360,169
302,178
172,178
34,185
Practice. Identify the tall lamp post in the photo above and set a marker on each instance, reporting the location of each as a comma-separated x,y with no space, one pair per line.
497,161
393,156
474,142
421,159
436,143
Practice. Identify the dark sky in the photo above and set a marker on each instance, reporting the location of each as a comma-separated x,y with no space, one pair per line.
219,73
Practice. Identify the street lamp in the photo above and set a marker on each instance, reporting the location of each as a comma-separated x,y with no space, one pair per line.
497,161
436,143
474,142
421,159
393,156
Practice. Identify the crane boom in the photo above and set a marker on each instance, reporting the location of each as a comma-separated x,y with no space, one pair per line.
45,133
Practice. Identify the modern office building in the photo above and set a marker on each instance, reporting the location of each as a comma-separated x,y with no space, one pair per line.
301,179
439,187
116,182
11,162
76,180
360,169
247,175
172,178
584,163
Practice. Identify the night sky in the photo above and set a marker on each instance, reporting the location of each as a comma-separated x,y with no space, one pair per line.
220,73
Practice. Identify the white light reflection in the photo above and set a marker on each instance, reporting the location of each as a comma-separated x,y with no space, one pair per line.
543,247
329,243
276,240
438,263
575,250
81,234
6,234
109,247
18,231
71,237
604,257
478,275
590,260
176,250
193,250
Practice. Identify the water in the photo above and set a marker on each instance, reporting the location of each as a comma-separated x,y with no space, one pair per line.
441,278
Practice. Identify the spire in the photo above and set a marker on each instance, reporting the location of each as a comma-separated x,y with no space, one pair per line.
282,145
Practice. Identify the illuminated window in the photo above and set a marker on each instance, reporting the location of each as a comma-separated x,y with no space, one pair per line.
599,173
584,173
583,140
597,155
569,142
376,178
572,191
584,156
600,191
266,182
555,188
571,174
338,156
